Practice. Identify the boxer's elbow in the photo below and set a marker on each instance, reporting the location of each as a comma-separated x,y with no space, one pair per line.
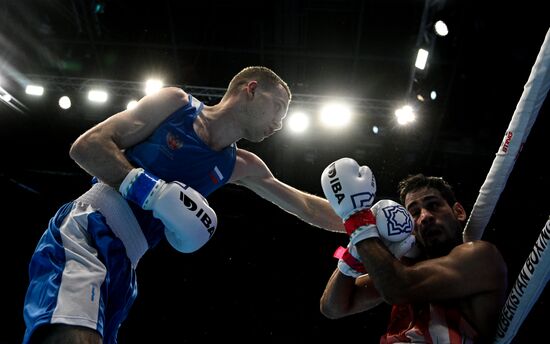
334,308
85,146
79,149
330,311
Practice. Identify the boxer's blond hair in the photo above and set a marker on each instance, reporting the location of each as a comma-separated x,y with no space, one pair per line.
261,74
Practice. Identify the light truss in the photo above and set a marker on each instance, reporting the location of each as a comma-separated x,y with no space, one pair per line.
135,89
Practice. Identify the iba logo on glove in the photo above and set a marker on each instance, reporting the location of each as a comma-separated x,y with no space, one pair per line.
359,200
200,213
398,221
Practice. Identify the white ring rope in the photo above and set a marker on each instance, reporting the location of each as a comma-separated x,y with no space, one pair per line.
530,283
524,116
534,275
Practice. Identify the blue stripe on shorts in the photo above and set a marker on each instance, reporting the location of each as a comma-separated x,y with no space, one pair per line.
96,292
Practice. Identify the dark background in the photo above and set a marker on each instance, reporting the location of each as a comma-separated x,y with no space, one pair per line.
261,276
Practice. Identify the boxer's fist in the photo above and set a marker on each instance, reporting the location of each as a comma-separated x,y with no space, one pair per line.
404,248
393,221
389,219
395,226
188,219
348,187
350,190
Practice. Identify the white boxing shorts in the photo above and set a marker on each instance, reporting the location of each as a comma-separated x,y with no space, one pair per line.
83,269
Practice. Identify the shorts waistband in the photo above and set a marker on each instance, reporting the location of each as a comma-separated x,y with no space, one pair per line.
119,217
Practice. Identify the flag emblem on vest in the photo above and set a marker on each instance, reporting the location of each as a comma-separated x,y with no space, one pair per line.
215,175
173,141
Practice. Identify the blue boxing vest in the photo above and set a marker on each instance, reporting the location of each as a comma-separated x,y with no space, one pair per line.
174,152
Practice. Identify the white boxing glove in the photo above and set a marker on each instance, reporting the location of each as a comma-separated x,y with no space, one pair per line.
395,226
348,187
404,248
394,222
188,219
349,261
350,190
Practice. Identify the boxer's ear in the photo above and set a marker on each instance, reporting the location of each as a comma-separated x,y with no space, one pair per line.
459,211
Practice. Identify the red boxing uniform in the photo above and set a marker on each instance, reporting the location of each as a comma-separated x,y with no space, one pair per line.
428,323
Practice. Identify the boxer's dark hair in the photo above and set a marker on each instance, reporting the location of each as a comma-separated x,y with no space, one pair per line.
420,181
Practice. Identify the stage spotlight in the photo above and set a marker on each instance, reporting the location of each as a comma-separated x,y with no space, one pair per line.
405,115
6,97
152,86
298,122
97,96
34,90
441,28
335,115
421,59
64,102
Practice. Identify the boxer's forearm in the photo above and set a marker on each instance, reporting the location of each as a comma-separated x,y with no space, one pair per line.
384,270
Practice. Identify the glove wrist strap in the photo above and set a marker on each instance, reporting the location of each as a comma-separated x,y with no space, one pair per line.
348,264
361,218
139,186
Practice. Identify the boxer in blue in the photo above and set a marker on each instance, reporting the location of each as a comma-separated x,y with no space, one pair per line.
153,166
